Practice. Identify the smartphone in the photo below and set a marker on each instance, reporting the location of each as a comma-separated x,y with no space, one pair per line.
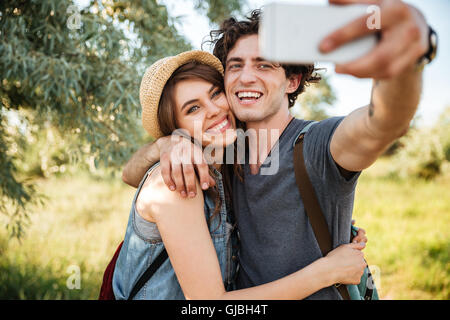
291,33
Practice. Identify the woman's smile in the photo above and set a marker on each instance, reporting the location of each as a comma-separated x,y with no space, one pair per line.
219,126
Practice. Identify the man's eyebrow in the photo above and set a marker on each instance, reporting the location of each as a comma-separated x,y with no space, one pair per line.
257,59
261,59
236,59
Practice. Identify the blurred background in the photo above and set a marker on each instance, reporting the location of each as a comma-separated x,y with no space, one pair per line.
70,119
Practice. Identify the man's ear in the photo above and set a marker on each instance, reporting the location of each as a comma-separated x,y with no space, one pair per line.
294,82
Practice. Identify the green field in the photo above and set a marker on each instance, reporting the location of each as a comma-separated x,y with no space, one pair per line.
84,219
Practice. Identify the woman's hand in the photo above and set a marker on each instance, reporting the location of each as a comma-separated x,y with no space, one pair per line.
347,263
361,236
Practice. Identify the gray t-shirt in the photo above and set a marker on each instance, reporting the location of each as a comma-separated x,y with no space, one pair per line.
276,236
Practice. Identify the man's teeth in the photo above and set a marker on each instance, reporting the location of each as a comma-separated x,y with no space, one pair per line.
248,94
219,126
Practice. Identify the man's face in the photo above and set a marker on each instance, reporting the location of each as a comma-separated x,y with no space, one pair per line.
256,88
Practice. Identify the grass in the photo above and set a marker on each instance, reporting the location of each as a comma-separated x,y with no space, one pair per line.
407,223
81,225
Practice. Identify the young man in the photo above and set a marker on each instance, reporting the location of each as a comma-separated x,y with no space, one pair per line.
276,237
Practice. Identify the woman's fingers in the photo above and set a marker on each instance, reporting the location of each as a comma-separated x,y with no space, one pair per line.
359,239
357,246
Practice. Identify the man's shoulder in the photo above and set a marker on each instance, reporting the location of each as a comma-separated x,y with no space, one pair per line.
328,122
323,130
316,130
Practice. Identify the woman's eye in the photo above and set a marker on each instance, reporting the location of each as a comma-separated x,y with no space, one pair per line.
192,109
216,93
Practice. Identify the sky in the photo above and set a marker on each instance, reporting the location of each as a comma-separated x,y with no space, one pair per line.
351,92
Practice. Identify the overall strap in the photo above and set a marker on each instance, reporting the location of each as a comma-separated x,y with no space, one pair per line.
149,273
311,203
154,266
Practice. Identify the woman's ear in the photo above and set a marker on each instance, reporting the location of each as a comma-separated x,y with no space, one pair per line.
294,82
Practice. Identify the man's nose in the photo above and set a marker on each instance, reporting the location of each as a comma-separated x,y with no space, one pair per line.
247,75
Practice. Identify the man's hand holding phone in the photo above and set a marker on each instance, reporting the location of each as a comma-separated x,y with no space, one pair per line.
376,39
404,39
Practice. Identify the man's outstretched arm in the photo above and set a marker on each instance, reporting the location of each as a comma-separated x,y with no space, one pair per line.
366,133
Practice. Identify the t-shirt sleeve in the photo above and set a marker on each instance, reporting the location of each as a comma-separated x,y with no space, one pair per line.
318,155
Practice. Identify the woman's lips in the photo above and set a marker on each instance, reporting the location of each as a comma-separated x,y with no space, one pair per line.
220,127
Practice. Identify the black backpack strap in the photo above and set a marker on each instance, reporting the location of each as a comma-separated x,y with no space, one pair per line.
311,204
154,266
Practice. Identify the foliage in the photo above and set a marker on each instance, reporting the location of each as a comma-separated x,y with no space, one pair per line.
313,104
74,75
426,152
217,11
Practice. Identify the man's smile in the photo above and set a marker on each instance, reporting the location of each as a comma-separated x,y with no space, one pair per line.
248,96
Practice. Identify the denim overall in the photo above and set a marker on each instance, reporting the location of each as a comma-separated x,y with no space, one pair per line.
142,244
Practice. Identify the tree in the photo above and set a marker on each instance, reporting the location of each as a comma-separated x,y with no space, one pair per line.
77,72
69,85
314,102
426,151
217,11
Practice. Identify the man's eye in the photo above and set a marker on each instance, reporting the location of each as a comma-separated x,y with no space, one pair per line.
234,66
265,66
192,109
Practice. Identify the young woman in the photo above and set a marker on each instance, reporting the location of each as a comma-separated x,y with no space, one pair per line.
186,92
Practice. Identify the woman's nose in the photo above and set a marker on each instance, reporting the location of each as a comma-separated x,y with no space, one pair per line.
212,109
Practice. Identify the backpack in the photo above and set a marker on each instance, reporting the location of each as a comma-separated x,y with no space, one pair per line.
366,289
106,290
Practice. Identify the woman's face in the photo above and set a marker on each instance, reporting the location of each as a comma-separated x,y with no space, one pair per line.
201,108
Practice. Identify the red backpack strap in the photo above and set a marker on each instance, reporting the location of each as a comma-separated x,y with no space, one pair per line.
106,291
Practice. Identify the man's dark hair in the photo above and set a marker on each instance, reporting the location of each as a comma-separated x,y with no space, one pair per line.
229,33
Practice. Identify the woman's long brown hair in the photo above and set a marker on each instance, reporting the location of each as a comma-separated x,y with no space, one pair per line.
167,119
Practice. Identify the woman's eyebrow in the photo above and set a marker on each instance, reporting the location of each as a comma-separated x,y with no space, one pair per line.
188,102
196,100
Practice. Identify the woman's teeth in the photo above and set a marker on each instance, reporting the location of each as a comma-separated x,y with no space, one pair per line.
219,127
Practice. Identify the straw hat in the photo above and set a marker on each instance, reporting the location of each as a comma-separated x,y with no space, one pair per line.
155,78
